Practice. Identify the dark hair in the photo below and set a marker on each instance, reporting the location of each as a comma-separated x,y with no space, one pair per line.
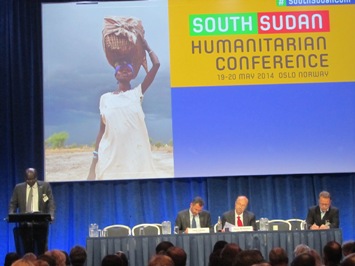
178,255
163,246
198,200
219,245
77,256
325,194
51,261
348,260
332,253
348,247
278,256
123,258
229,253
10,258
304,259
249,257
111,260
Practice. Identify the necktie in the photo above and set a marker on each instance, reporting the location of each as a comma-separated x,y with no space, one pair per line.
193,224
29,201
239,222
322,214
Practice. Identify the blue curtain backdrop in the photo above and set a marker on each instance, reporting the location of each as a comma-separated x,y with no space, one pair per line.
125,202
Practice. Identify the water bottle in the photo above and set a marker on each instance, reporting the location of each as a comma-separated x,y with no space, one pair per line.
93,230
264,224
166,227
219,224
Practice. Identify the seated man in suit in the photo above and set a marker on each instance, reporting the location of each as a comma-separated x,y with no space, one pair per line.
323,215
240,216
194,217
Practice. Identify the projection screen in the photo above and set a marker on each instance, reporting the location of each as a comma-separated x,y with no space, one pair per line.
244,87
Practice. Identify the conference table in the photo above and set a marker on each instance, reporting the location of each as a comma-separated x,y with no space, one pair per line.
199,246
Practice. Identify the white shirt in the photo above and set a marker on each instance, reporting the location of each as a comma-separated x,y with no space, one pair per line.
34,196
197,219
236,218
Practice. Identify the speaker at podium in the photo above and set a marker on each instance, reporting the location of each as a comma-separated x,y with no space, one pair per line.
30,232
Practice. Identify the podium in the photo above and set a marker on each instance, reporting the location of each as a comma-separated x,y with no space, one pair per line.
30,232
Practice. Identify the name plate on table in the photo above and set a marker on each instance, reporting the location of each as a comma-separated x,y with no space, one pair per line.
202,230
241,229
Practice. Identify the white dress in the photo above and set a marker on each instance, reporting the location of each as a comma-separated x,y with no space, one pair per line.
124,150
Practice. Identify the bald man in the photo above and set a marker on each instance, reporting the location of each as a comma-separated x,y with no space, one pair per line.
240,213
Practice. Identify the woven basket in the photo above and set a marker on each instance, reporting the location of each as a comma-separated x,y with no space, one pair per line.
118,47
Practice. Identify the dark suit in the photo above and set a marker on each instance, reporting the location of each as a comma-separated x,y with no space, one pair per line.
314,217
33,235
183,220
248,218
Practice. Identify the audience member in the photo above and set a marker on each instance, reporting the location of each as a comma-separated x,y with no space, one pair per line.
194,217
316,256
30,256
40,263
348,260
332,253
229,253
178,255
219,245
10,258
67,260
160,260
58,256
323,216
123,258
278,257
77,256
163,246
239,216
48,258
348,247
304,259
111,260
248,258
22,262
301,248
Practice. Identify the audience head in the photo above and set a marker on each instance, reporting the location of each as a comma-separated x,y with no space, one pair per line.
123,258
77,256
30,256
48,258
324,200
10,258
332,253
241,203
178,255
248,258
163,246
58,256
40,263
316,256
301,248
67,260
111,260
348,248
348,260
196,205
229,253
278,257
304,259
22,262
160,260
219,245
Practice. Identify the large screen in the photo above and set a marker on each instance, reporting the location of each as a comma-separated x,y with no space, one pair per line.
181,88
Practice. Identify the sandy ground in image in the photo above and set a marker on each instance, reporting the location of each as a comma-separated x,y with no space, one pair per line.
74,164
